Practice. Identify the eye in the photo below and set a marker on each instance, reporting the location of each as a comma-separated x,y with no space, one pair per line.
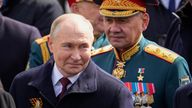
67,45
84,46
123,20
108,20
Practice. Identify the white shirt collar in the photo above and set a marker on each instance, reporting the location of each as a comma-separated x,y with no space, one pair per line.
56,76
165,3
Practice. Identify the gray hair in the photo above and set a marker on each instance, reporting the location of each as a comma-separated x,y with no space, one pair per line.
71,20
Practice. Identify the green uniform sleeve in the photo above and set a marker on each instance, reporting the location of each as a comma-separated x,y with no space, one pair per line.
178,75
35,58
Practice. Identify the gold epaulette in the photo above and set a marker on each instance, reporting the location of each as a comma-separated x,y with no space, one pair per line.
44,49
42,40
161,52
101,50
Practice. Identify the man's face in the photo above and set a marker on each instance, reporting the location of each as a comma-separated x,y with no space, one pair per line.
123,33
90,11
71,50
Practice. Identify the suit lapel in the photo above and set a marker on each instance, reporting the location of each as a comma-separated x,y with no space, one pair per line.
44,84
86,83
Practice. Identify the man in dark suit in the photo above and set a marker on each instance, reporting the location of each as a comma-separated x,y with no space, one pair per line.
86,85
15,43
39,13
186,18
183,97
164,28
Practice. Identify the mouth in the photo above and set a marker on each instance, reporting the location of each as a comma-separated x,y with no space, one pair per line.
74,64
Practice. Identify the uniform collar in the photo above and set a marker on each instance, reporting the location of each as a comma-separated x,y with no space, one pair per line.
126,55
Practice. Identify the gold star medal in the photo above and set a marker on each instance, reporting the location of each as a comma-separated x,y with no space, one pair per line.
140,78
141,72
119,72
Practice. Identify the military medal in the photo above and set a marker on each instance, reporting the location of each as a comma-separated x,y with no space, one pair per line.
142,93
138,100
36,103
150,99
119,72
140,72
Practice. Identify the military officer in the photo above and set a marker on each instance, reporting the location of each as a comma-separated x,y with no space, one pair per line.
152,73
89,9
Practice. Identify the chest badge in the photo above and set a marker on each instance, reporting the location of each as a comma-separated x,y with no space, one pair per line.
36,103
140,74
119,71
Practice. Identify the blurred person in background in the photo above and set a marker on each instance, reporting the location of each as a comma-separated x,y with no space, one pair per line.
185,13
15,43
39,13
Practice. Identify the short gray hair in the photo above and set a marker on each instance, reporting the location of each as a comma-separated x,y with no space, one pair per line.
75,20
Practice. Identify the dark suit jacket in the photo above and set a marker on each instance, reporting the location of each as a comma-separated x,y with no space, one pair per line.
186,31
6,100
15,44
93,89
39,13
164,28
183,97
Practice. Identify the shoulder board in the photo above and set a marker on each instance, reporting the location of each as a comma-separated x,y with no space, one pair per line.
42,39
161,52
101,50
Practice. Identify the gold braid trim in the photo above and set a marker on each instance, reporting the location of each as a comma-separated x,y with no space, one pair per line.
121,5
161,52
45,52
101,50
118,13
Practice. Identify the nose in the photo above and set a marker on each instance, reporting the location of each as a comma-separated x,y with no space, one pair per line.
114,27
76,55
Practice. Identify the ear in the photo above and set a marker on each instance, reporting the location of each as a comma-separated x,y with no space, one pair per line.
50,43
145,21
74,8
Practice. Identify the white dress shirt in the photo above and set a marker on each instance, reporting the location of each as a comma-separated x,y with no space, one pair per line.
56,76
165,3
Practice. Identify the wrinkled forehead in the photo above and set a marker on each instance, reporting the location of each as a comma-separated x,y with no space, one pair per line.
77,27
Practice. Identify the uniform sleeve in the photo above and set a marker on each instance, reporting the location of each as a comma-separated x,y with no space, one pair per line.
177,75
124,99
35,57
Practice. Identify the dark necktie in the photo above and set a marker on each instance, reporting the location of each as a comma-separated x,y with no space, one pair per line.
172,5
64,82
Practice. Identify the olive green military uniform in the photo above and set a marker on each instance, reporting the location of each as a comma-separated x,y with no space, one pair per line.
150,72
101,42
40,52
